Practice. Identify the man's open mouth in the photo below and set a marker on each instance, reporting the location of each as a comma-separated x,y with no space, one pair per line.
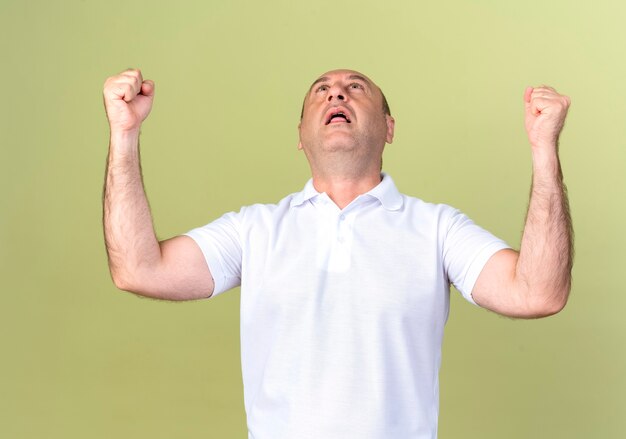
337,116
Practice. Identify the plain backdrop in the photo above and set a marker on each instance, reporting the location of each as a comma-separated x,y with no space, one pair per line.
83,360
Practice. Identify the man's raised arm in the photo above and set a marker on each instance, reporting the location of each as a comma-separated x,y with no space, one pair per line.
536,281
174,269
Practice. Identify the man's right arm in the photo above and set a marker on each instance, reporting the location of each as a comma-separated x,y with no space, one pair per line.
174,269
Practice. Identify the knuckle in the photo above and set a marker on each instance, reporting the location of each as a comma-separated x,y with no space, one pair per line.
109,87
127,76
134,73
110,80
127,87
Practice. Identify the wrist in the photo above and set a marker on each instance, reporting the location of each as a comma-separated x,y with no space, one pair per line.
545,152
546,165
122,136
124,141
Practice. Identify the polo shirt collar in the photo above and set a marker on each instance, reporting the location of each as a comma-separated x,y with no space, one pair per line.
306,194
385,192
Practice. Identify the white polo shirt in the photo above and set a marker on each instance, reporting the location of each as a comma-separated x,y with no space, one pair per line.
342,311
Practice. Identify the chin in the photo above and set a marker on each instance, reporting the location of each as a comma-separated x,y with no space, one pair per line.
340,141
340,146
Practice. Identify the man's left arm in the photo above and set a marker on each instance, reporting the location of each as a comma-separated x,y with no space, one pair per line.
535,282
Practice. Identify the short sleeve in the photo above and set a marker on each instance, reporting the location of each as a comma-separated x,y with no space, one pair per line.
466,249
220,243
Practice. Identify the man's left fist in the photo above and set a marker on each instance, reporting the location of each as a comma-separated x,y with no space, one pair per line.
545,115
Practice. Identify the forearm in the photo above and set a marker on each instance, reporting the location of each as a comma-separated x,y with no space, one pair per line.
543,270
130,239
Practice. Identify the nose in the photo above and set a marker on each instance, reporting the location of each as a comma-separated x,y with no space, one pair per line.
337,96
336,92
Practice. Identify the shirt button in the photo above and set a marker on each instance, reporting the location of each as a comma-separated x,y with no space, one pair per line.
342,217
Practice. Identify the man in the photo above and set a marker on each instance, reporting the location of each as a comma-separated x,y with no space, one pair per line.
345,285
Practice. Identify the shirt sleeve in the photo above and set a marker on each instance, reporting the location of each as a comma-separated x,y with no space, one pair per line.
466,249
220,242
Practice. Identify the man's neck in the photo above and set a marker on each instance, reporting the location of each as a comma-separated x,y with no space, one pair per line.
344,189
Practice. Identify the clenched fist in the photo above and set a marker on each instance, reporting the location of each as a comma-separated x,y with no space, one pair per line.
127,100
545,115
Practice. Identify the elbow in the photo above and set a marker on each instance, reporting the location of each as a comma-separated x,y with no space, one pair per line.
126,284
122,280
131,279
549,309
548,304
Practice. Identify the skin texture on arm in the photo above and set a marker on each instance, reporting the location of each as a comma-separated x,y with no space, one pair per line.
174,269
535,282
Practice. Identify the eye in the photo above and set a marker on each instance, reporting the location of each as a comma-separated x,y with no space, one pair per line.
322,87
356,86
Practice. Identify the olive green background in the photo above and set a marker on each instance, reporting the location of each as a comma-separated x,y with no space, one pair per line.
80,359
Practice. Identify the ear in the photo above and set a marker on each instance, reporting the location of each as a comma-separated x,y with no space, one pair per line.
391,124
299,140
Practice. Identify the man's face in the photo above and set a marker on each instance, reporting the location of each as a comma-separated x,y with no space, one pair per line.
343,110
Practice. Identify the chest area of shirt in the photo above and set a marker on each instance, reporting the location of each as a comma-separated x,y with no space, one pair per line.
372,261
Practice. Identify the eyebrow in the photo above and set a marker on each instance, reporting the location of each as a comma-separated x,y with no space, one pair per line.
359,77
352,77
317,81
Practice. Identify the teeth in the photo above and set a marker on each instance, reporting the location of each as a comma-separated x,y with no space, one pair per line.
338,114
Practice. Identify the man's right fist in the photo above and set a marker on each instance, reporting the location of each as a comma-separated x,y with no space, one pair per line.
127,100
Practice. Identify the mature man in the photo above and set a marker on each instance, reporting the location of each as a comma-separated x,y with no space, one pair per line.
345,285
